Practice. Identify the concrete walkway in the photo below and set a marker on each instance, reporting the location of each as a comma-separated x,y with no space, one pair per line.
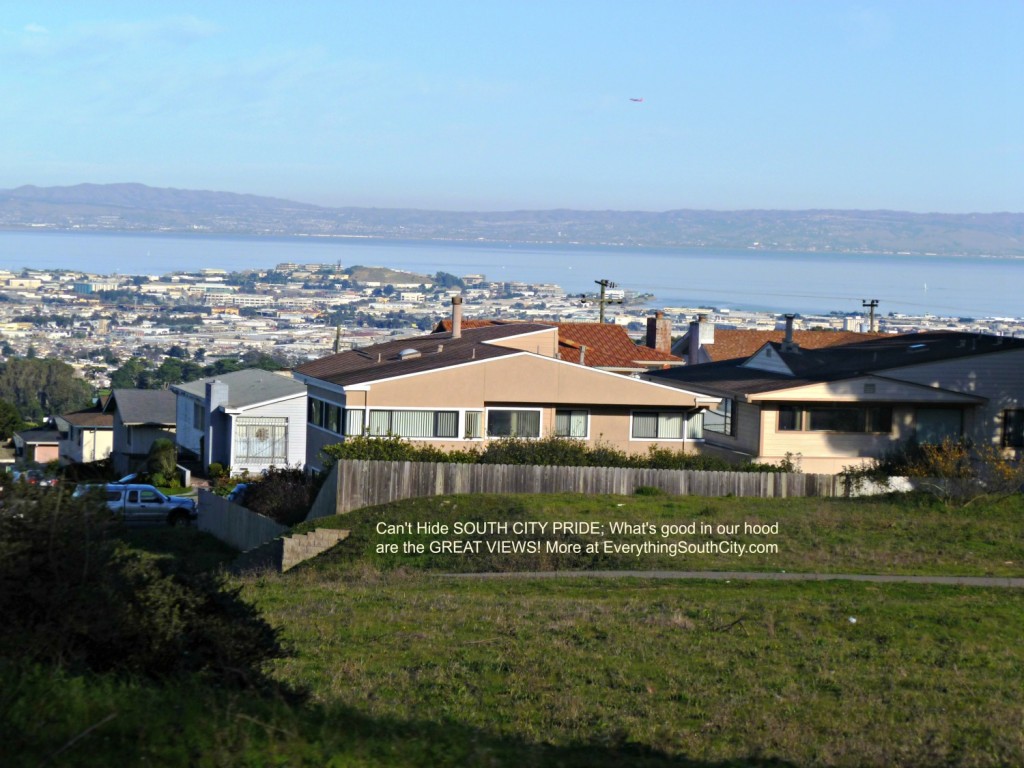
964,581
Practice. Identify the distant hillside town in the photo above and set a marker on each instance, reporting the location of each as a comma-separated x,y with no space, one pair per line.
161,327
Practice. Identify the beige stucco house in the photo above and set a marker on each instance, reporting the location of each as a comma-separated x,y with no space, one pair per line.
842,406
467,386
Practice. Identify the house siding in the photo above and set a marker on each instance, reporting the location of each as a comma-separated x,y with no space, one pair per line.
521,381
999,377
294,412
128,458
189,436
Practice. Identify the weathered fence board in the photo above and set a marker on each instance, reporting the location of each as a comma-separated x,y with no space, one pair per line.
356,484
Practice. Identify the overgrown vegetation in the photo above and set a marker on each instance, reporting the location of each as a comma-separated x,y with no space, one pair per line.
75,596
284,494
413,669
548,451
955,471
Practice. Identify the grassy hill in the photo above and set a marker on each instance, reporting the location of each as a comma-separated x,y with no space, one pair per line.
402,665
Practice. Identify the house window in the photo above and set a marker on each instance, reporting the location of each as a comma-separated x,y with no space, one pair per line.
474,425
199,416
719,419
506,422
933,425
667,425
1013,428
316,412
835,418
571,423
353,421
437,424
261,440
332,417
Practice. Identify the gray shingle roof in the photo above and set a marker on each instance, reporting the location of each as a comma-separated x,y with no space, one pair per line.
809,366
247,388
144,406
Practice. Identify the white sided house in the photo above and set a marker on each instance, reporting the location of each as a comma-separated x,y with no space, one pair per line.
247,420
464,387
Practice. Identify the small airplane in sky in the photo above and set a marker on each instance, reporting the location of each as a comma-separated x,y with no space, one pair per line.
640,99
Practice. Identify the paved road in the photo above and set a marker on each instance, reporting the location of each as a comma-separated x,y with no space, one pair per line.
966,581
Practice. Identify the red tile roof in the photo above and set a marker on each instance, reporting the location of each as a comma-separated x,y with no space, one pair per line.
608,345
735,343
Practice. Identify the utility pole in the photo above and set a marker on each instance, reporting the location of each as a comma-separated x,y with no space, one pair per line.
871,312
605,284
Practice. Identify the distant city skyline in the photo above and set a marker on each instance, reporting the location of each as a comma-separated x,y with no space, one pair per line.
911,106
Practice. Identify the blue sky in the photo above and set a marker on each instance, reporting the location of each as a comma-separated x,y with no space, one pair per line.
500,105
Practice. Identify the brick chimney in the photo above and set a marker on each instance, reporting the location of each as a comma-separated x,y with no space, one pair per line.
456,317
659,332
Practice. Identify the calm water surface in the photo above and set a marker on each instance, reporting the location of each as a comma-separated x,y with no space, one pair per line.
739,279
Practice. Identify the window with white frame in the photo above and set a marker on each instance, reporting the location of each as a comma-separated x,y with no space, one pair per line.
261,440
511,422
473,429
667,425
571,423
421,424
354,421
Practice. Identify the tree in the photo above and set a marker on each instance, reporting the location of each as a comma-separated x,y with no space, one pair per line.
41,387
128,375
10,420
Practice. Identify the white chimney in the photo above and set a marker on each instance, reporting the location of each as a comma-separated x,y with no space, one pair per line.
456,317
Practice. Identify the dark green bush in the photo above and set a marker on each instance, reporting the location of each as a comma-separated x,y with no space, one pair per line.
283,494
75,596
162,458
548,451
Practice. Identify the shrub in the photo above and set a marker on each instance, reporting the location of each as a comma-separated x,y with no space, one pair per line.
162,458
283,494
955,470
217,471
73,595
548,451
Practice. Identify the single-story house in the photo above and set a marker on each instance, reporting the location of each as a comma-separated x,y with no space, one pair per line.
468,386
247,420
85,436
38,444
141,416
842,406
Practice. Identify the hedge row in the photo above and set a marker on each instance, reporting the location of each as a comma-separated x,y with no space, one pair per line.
550,451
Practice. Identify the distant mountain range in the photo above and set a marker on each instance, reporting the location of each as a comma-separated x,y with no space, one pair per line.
138,208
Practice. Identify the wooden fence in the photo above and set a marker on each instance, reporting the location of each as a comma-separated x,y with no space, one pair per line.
356,484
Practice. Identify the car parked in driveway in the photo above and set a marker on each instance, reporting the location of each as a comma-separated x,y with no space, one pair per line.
33,477
138,503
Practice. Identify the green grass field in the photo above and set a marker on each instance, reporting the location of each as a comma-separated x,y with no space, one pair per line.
401,665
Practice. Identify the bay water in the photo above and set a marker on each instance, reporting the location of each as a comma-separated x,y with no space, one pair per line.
773,281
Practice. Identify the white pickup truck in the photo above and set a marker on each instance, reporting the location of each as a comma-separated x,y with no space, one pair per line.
135,502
